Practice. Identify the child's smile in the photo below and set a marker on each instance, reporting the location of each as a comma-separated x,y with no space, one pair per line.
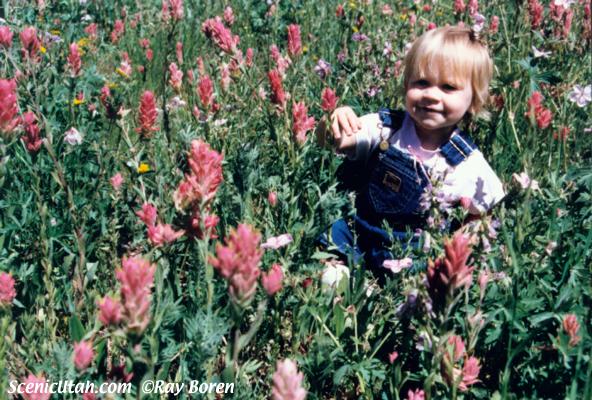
436,106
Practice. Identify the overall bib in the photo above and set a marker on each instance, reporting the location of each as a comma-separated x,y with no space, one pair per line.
390,191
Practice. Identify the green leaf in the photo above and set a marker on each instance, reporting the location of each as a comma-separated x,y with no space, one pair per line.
76,329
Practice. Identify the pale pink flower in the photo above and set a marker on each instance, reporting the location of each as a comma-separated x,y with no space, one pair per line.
525,182
228,15
473,7
74,61
494,25
393,356
470,373
277,242
31,44
225,77
482,280
287,382
417,394
205,89
118,31
39,388
92,30
125,67
328,100
8,105
386,10
116,181
176,77
179,52
581,95
172,9
294,40
136,276
147,114
5,37
572,327
238,262
249,57
396,266
109,311
457,347
301,122
220,35
160,234
272,280
148,214
459,6
73,137
200,185
89,396
7,291
83,355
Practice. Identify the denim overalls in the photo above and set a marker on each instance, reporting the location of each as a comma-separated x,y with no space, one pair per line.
394,182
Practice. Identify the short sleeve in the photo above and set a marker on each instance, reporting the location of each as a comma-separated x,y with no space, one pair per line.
368,137
476,180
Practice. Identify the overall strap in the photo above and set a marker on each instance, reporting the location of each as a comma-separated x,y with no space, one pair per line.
458,148
390,118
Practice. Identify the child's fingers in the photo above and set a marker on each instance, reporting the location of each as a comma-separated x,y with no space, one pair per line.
353,121
335,128
344,124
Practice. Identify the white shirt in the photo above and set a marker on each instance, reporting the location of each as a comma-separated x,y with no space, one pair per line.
472,178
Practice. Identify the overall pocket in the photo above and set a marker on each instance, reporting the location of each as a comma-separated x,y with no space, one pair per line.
396,184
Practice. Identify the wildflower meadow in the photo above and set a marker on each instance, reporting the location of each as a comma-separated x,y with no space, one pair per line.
164,184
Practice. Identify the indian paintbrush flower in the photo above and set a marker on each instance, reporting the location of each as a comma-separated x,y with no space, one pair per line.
287,382
147,114
74,61
215,30
109,311
7,291
136,276
5,37
32,137
272,280
83,355
8,106
301,122
328,100
294,40
571,327
277,96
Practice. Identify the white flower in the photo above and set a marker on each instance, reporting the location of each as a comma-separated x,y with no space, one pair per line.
525,182
175,103
73,137
540,53
277,241
581,95
333,273
564,3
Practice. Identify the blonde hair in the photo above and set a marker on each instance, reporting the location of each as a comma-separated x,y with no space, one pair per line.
454,51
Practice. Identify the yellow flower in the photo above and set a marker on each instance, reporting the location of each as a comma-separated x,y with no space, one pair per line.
112,85
120,72
355,29
55,32
83,42
439,13
77,102
403,17
143,168
352,5
304,49
42,49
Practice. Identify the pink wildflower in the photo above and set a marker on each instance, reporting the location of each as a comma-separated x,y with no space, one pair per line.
148,214
149,54
272,198
89,396
396,266
482,280
386,10
328,100
176,77
74,61
249,57
277,242
287,382
91,30
294,40
8,105
473,7
116,181
544,118
393,356
200,185
470,373
301,122
160,234
32,137
205,89
282,63
417,394
457,347
179,52
272,280
83,355
222,36
535,10
7,292
459,6
537,112
339,12
238,262
109,311
431,26
451,272
147,115
228,15
202,225
278,96
572,327
118,30
136,276
562,134
494,25
5,37
225,77
31,44
37,386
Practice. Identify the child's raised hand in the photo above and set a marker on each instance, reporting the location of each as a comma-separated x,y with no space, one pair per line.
344,122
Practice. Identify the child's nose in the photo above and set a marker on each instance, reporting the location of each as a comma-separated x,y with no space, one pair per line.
432,93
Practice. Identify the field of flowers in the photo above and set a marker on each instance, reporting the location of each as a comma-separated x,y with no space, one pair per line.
162,191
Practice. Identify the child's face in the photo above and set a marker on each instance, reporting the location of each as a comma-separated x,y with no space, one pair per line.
436,104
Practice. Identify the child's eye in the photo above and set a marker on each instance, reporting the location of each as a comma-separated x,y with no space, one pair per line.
448,86
421,82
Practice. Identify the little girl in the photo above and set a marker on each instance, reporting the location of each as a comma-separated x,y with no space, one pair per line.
447,73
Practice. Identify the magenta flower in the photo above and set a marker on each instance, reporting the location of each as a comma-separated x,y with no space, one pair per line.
215,30
287,382
5,37
417,394
8,105
176,77
179,52
470,373
136,276
7,291
83,355
160,234
301,122
74,61
572,327
31,44
116,181
172,9
328,100
205,90
238,262
109,311
278,96
147,214
459,6
535,10
32,137
272,280
294,40
228,15
272,198
39,388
